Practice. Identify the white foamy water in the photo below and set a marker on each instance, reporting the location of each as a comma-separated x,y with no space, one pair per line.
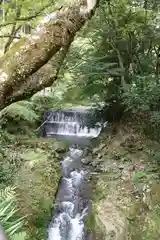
68,207
70,123
67,161
74,153
73,130
77,177
77,230
68,222
54,232
69,185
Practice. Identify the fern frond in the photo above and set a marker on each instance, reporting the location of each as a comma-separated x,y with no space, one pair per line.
18,236
20,111
7,193
11,222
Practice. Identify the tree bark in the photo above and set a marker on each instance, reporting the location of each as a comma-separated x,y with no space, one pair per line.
23,69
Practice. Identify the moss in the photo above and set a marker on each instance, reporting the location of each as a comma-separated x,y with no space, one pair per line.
14,48
100,190
93,225
139,177
37,181
8,59
90,223
33,165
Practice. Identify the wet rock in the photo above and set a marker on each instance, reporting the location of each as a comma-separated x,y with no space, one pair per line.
140,148
95,163
60,147
99,148
99,170
86,160
121,167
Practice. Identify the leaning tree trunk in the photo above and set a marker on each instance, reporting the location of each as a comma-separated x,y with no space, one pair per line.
26,69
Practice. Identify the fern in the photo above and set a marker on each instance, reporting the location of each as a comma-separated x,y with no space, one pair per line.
8,192
18,236
9,212
20,111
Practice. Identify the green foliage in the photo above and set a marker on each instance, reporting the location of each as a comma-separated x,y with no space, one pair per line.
19,111
100,191
139,177
9,212
142,99
20,17
116,59
93,225
19,236
143,95
34,169
146,226
152,229
42,103
29,163
10,159
37,181
26,116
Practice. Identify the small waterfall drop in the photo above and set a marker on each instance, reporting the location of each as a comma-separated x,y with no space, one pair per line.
73,198
69,123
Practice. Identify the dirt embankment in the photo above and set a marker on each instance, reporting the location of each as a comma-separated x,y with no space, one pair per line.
127,193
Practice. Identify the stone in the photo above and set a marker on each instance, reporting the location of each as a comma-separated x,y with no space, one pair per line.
85,161
101,146
94,164
121,167
140,148
99,155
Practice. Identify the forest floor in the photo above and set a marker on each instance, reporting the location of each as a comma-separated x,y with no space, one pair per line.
30,166
127,193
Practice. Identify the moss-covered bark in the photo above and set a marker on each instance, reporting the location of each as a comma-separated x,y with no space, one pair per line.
28,55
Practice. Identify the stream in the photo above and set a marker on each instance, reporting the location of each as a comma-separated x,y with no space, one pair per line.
73,197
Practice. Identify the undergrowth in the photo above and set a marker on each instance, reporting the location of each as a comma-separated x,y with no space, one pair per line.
29,169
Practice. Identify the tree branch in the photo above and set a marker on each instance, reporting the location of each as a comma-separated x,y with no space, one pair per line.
28,18
9,35
43,78
28,55
14,30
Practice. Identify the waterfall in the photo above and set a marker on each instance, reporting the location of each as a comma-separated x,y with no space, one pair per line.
69,123
73,197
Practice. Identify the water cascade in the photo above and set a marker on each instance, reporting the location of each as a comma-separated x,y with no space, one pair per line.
70,123
73,197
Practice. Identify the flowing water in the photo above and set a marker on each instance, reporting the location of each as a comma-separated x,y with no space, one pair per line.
73,197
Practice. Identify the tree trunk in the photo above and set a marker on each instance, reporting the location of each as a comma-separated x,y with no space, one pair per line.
26,69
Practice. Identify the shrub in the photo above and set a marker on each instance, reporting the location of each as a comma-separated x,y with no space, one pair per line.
139,176
143,100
